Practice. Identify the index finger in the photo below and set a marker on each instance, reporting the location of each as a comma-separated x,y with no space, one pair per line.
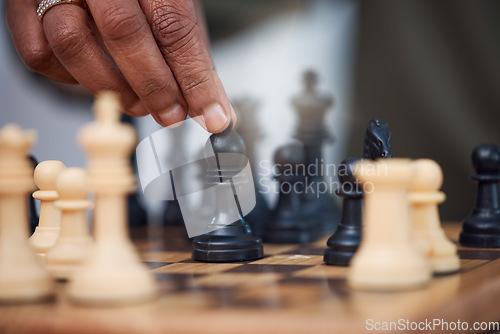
128,38
180,38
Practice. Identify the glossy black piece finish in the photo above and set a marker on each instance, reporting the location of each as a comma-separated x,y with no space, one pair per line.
377,143
482,227
234,242
342,245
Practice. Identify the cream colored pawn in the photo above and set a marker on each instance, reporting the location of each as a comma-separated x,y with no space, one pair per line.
22,276
47,231
387,258
73,245
425,197
113,273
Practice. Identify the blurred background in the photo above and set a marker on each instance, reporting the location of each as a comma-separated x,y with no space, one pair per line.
430,69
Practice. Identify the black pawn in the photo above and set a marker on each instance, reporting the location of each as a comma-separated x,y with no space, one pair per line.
234,242
345,241
482,227
288,223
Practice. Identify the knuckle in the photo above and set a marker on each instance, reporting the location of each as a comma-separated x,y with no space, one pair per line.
119,24
173,26
35,56
194,81
151,87
67,41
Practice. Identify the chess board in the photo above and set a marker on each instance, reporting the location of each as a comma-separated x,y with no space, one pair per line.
290,290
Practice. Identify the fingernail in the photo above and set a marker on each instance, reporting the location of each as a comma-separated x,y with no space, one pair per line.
173,117
215,118
234,117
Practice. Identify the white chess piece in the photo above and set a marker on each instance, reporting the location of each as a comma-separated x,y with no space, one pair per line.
47,231
387,258
112,274
22,276
73,245
424,198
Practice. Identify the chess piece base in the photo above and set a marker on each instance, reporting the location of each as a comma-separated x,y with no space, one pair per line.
25,285
228,255
337,258
479,240
342,245
67,256
107,292
481,232
445,265
233,243
386,271
112,275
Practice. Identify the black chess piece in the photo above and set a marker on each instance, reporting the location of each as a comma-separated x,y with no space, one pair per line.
482,227
236,241
311,107
33,215
377,143
342,245
288,223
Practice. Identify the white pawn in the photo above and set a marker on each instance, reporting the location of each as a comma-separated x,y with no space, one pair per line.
22,277
113,273
74,242
387,258
425,197
47,231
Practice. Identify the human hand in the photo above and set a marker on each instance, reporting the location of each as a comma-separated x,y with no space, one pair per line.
153,52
